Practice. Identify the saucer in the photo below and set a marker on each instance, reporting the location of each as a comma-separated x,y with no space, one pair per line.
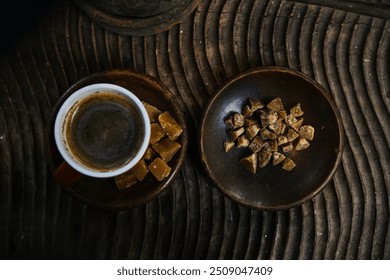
272,188
102,192
142,20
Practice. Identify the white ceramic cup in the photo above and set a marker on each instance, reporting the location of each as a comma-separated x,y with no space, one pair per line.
64,114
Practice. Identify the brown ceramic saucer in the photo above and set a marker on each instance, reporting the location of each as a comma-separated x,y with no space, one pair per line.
272,188
137,18
103,193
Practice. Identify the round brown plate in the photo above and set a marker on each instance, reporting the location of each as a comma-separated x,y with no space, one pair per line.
272,188
138,18
103,192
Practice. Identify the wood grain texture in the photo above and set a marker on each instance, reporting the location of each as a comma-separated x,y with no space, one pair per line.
345,49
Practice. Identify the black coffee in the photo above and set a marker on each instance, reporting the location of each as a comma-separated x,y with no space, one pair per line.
103,131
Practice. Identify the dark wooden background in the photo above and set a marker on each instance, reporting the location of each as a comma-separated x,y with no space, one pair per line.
344,45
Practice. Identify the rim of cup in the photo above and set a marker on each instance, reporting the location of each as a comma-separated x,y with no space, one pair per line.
71,101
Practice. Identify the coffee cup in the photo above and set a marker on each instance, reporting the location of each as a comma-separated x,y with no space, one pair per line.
101,130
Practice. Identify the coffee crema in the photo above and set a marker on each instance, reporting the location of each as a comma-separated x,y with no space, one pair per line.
103,131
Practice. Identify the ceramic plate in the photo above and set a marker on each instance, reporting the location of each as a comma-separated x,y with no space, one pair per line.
103,192
272,188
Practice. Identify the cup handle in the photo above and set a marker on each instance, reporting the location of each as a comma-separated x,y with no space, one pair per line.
65,175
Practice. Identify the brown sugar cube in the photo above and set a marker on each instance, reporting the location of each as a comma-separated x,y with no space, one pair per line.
277,158
250,162
238,120
307,132
152,111
302,144
247,111
229,122
263,158
125,180
140,170
256,145
166,149
251,131
276,105
282,140
282,115
233,134
159,169
149,155
267,134
268,117
156,133
272,116
249,122
292,135
290,119
255,104
169,125
284,127
277,127
287,147
297,125
228,145
242,141
271,145
296,110
288,164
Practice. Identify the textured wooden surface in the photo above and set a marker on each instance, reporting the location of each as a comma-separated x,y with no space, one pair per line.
346,49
